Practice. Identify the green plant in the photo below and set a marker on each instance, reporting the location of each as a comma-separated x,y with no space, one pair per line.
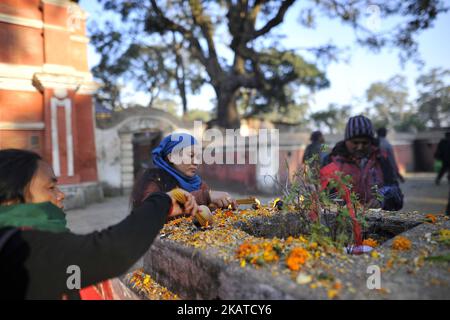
302,193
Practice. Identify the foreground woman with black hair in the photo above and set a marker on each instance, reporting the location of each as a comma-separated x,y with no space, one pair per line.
36,255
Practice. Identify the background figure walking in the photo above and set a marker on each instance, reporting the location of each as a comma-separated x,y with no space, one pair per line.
443,154
315,148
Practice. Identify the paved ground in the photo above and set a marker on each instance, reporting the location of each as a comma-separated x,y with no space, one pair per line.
98,216
421,194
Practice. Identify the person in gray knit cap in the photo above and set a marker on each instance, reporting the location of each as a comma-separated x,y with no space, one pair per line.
370,169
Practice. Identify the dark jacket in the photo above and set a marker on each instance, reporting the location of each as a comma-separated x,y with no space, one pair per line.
311,150
158,180
443,151
33,264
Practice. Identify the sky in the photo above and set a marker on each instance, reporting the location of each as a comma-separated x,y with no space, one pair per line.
349,81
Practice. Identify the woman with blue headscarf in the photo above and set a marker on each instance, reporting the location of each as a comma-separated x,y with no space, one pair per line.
176,161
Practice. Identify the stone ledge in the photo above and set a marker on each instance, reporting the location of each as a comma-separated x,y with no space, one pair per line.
202,274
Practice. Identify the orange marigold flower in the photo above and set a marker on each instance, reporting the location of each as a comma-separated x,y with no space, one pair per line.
229,213
246,249
390,263
337,285
297,257
370,242
175,222
270,255
431,218
401,243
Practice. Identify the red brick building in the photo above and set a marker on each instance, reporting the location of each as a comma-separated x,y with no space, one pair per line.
46,91
46,86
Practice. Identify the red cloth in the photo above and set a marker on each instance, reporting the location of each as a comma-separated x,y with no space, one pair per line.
100,291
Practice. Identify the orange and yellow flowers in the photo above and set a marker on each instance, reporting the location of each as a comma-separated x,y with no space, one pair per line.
228,213
370,242
257,253
144,284
313,245
332,293
246,249
431,218
401,243
297,257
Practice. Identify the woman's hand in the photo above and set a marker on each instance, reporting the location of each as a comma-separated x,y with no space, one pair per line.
374,204
190,205
222,199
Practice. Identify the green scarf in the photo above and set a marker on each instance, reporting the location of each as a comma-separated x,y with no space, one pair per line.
40,216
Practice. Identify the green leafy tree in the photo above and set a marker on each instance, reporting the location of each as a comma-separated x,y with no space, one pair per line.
334,118
196,114
232,39
388,101
159,68
434,97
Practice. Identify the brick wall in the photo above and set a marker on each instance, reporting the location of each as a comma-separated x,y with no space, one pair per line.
239,176
40,39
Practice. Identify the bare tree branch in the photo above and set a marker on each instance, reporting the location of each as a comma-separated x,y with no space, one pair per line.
275,21
204,22
172,26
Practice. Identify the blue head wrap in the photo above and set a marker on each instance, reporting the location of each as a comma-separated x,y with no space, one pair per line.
180,141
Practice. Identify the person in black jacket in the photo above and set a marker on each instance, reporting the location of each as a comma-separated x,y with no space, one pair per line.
315,148
443,154
34,264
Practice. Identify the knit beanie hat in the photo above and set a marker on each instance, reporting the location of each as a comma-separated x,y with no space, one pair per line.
359,126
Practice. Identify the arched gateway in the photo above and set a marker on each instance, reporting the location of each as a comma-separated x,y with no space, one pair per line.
124,143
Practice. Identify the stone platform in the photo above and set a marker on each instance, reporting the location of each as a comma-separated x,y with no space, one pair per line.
202,264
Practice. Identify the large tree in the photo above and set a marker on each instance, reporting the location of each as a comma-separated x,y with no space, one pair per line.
434,97
334,118
129,62
234,42
388,101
